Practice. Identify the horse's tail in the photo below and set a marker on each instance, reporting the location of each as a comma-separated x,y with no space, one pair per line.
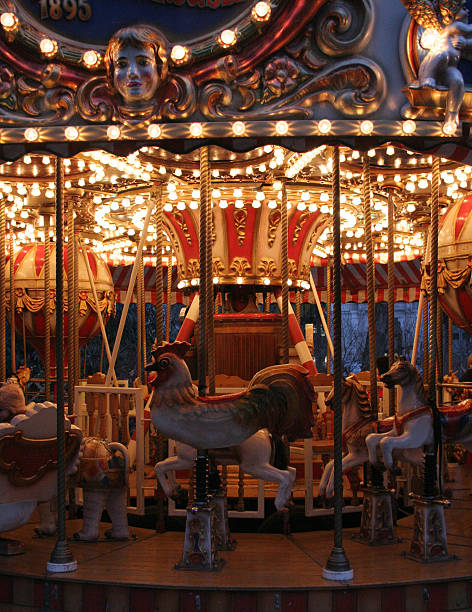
291,400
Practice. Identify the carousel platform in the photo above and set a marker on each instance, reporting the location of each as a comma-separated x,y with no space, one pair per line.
266,572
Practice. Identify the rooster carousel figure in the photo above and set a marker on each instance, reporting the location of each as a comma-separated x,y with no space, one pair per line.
277,403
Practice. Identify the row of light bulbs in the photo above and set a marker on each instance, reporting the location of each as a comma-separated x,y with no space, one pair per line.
179,54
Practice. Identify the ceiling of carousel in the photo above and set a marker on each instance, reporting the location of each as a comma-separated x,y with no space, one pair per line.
110,196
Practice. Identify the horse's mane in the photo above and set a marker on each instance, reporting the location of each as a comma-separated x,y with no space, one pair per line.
362,398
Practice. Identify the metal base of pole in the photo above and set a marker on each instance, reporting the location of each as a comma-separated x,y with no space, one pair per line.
61,559
337,566
377,518
200,551
429,541
224,540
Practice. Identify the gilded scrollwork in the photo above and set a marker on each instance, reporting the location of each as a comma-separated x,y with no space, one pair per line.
218,267
292,268
319,66
302,219
274,222
180,220
266,267
193,268
240,266
34,102
240,220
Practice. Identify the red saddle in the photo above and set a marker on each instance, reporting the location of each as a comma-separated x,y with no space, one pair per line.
455,417
218,399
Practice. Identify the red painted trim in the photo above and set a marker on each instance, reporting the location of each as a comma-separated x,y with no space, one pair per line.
283,29
463,212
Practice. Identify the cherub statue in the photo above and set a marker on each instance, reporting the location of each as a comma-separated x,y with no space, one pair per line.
449,19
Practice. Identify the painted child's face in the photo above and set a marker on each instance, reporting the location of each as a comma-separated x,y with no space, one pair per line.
135,74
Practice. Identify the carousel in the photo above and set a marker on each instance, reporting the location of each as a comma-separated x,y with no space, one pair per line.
187,206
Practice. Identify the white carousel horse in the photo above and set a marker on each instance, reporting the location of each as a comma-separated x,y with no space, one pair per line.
358,422
255,456
413,422
278,401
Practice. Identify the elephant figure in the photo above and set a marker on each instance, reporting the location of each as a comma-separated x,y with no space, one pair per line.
28,456
103,475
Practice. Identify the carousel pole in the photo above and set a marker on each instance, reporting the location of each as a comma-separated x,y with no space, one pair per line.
391,295
377,515
419,313
46,308
3,332
61,559
76,343
337,565
324,322
210,290
431,532
440,353
139,326
425,318
449,345
285,296
168,293
329,349
200,552
143,321
70,306
159,243
12,303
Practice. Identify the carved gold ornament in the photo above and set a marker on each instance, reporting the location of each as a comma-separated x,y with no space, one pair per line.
240,266
240,221
274,221
266,267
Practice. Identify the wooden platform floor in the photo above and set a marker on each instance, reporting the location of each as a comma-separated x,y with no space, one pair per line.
267,563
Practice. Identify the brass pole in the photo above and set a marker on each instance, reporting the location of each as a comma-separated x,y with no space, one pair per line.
143,320
46,308
285,296
337,565
391,296
75,312
61,559
159,244
425,322
204,204
209,288
12,303
433,340
139,297
370,272
168,294
70,306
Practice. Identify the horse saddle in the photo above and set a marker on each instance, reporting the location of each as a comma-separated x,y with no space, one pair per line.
455,417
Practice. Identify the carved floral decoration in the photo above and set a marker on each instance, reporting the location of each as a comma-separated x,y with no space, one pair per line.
321,63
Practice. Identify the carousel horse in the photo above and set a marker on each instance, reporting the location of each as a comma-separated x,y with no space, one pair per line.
358,421
413,422
278,401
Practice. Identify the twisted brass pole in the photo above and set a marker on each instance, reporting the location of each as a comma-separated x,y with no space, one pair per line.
284,225
169,293
12,303
70,306
370,273
328,314
159,243
139,327
46,309
337,563
433,346
425,321
204,204
210,290
391,296
439,335
75,312
61,557
298,306
143,321
2,290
